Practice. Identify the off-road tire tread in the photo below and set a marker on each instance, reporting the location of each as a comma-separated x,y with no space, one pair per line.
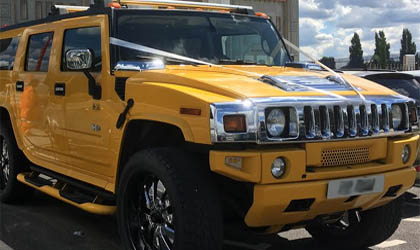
15,191
376,226
197,195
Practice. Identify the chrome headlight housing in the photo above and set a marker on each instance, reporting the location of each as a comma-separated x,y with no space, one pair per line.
276,122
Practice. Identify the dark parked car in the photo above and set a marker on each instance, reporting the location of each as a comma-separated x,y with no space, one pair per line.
405,83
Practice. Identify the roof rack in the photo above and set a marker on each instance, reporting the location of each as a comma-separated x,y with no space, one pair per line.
184,5
168,4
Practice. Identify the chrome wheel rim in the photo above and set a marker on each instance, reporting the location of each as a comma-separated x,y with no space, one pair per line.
150,216
4,164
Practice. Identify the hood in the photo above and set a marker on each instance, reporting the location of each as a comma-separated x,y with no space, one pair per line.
243,82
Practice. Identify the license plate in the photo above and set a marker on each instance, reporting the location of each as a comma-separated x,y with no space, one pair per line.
355,186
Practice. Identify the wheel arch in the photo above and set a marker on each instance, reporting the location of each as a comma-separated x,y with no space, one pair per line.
6,116
141,134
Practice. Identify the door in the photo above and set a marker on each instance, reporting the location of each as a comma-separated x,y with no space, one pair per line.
32,94
85,121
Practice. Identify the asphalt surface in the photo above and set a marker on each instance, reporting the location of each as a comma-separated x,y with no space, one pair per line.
43,223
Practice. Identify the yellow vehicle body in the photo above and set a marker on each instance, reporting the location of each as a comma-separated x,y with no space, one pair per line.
56,132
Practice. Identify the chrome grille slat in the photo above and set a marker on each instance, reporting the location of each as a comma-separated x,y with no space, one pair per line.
375,119
324,122
352,121
385,118
309,123
364,120
339,121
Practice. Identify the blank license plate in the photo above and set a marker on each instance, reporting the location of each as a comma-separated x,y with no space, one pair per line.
355,186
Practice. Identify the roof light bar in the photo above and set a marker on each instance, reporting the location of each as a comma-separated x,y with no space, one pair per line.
185,4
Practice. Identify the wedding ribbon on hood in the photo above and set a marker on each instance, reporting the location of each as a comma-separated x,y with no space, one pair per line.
145,49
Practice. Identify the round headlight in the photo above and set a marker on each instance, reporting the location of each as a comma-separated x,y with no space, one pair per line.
276,121
278,167
397,116
405,155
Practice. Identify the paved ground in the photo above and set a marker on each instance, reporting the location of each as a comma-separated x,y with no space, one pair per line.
44,223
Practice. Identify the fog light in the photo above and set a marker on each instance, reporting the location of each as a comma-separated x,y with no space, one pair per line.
405,155
278,167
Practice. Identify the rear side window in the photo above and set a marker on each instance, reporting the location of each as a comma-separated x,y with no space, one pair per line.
84,38
38,54
8,48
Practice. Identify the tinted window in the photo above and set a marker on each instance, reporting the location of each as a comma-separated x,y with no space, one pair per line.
84,38
39,49
410,88
8,49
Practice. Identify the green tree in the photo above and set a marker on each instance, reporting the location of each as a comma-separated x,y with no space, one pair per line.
382,54
328,61
356,53
407,45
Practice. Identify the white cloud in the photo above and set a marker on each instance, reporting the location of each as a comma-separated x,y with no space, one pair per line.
327,26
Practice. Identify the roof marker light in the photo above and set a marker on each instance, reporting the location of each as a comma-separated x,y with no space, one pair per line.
114,5
261,14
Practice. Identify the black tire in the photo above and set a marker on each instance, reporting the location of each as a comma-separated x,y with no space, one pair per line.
192,194
12,162
375,226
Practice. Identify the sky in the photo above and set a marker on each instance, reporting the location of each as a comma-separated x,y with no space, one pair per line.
327,26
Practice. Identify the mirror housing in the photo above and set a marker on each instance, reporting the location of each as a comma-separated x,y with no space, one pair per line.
79,59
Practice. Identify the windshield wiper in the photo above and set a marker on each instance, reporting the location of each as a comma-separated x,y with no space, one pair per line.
235,62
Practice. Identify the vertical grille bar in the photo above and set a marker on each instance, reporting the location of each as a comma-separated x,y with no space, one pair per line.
339,121
352,121
325,122
375,118
309,117
385,118
364,120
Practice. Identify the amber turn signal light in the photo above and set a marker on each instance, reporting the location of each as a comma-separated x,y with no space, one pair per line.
234,123
190,111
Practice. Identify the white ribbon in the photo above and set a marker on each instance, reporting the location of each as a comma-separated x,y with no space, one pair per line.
142,48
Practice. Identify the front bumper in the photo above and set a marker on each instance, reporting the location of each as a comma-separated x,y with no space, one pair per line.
305,181
271,201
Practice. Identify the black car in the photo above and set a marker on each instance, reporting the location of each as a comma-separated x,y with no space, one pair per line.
403,83
407,84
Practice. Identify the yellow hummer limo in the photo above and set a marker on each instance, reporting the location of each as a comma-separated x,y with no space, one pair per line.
181,117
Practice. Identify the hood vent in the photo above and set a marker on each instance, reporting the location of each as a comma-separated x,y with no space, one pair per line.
307,83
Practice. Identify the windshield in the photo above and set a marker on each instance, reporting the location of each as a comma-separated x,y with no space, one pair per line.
210,37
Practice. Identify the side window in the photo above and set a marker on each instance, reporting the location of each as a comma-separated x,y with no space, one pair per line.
8,48
38,54
84,38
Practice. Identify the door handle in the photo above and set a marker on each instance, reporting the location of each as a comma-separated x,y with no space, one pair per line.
60,89
20,86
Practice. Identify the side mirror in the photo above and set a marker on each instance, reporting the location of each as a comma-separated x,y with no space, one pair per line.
79,59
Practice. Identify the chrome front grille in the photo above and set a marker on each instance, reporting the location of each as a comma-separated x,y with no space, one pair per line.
340,121
311,119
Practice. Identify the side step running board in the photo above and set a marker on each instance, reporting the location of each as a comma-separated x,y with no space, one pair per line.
46,187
